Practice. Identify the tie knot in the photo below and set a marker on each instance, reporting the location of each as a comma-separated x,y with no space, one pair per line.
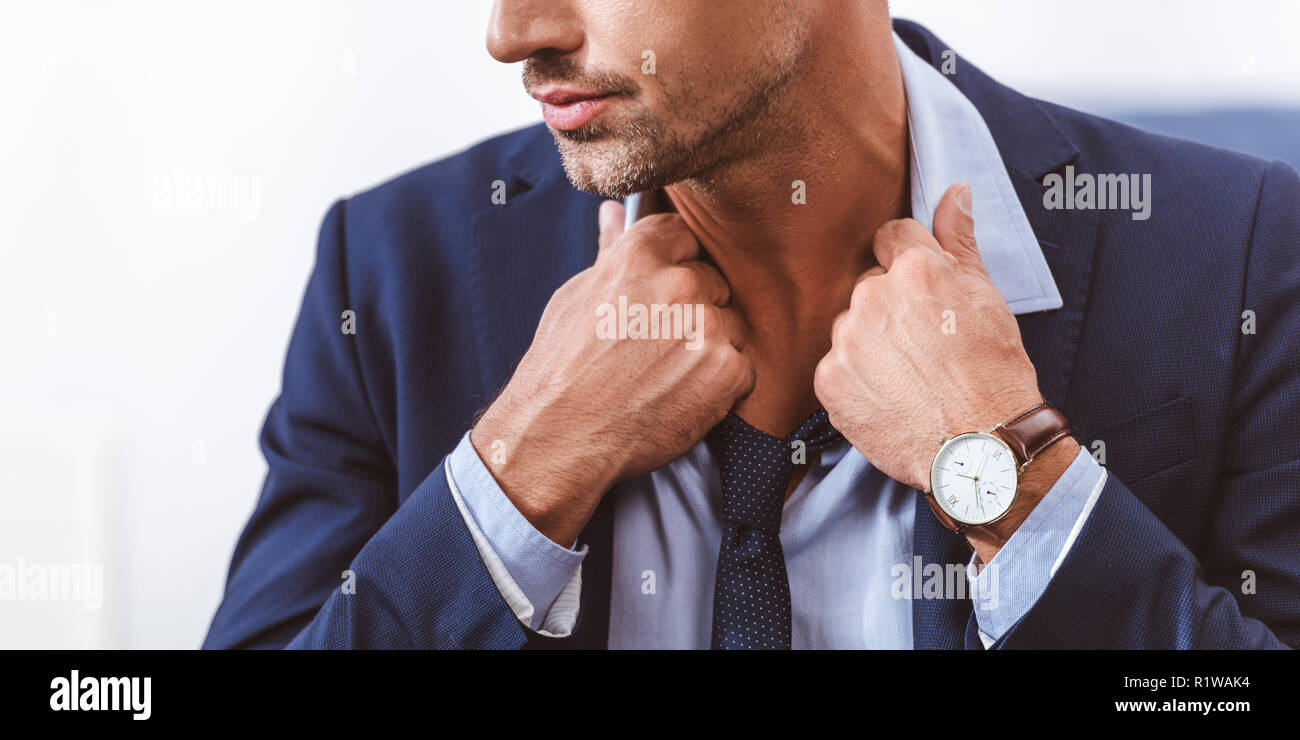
754,467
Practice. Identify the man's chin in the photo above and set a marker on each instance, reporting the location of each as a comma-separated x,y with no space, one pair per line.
606,166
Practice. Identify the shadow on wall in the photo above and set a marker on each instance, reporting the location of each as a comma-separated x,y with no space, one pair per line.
1267,133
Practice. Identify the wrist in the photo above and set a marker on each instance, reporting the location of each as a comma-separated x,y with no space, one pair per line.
1037,479
554,482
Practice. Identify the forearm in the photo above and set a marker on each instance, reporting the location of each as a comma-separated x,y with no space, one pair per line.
554,482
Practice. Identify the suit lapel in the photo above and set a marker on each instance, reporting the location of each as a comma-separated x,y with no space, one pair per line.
526,248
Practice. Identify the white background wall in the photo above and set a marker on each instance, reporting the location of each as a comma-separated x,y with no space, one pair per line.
141,336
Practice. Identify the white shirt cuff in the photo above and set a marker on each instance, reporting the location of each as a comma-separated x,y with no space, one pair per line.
540,580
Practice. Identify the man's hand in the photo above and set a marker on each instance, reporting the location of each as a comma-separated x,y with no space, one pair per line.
583,412
928,349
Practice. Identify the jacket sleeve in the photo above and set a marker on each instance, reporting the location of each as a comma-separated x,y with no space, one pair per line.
328,558
1128,581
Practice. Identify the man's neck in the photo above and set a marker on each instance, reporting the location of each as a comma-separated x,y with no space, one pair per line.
792,265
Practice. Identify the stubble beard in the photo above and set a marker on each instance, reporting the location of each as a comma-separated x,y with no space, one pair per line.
644,153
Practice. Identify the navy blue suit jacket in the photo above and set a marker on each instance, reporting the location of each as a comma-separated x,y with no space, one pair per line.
1200,419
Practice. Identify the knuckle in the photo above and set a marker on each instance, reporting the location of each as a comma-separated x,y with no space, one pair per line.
657,221
741,372
625,272
911,260
723,322
917,264
571,290
610,234
728,364
710,322
824,378
889,230
846,341
568,287
840,330
659,229
901,229
639,248
679,284
913,228
864,294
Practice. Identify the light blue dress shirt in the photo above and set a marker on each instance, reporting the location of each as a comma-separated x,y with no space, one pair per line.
847,528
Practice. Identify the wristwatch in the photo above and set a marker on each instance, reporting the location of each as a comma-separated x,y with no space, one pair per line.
975,476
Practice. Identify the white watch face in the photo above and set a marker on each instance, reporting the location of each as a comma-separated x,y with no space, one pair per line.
974,478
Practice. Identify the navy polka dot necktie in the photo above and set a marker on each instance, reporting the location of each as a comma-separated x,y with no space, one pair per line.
751,597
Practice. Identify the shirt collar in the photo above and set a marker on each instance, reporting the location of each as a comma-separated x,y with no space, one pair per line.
951,143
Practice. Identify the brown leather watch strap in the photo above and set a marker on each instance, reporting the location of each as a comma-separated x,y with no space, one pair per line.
1033,431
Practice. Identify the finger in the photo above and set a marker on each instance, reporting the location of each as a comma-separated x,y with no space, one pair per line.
715,286
876,271
840,317
612,215
897,237
732,326
750,380
954,227
667,237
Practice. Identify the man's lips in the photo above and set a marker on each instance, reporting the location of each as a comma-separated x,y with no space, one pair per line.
567,109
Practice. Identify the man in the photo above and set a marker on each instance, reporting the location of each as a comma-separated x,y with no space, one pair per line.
880,353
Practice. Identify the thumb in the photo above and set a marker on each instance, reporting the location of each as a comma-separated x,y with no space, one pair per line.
611,219
954,227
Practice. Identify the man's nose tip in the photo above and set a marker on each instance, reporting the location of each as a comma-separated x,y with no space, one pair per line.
518,29
503,45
